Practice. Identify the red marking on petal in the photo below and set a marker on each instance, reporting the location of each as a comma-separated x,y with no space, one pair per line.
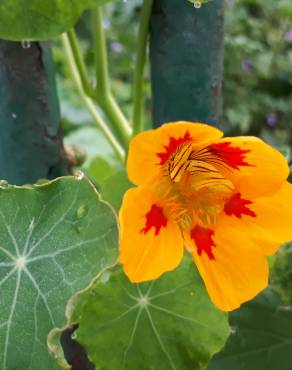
237,206
203,240
231,155
173,144
154,218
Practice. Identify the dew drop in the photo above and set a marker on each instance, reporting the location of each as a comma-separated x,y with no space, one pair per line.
3,184
233,330
79,175
197,4
25,44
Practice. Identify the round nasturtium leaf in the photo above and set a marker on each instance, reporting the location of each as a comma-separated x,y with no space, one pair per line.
40,19
261,337
167,324
54,240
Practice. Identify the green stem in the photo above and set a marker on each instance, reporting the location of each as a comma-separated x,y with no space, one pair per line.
140,66
88,89
103,93
88,101
100,49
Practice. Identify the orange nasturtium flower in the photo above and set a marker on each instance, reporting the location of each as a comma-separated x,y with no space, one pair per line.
224,200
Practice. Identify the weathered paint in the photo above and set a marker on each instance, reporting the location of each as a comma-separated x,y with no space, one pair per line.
30,137
186,61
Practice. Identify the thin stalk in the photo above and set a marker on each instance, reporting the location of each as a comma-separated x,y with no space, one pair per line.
74,44
88,101
100,51
142,43
103,93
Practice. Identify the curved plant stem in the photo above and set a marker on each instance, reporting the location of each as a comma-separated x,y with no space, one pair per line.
140,66
88,101
88,89
103,94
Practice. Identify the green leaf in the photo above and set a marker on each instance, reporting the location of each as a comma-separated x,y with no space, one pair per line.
113,188
54,240
99,170
167,324
40,19
281,273
261,339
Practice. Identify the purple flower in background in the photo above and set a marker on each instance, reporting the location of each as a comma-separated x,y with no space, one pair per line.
272,119
106,24
116,47
246,66
288,36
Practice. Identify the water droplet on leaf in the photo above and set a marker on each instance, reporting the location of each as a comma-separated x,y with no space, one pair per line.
25,44
3,184
197,4
79,175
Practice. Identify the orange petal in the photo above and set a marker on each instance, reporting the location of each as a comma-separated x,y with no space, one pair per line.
148,150
238,270
272,224
150,243
255,168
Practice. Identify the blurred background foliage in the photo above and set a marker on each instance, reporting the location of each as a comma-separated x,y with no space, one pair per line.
257,82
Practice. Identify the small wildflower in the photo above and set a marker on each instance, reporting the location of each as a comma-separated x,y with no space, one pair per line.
272,119
117,47
106,24
288,35
246,66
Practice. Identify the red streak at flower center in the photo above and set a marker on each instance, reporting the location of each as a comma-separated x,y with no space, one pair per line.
173,144
203,240
231,155
237,206
154,218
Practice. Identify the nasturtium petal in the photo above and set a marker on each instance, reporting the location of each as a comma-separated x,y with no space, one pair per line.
168,324
150,242
271,226
149,148
238,271
40,19
54,240
263,169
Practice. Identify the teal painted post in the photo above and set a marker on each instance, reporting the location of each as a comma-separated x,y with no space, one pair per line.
186,51
30,137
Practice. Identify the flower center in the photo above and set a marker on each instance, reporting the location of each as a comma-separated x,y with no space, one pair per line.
179,162
197,184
